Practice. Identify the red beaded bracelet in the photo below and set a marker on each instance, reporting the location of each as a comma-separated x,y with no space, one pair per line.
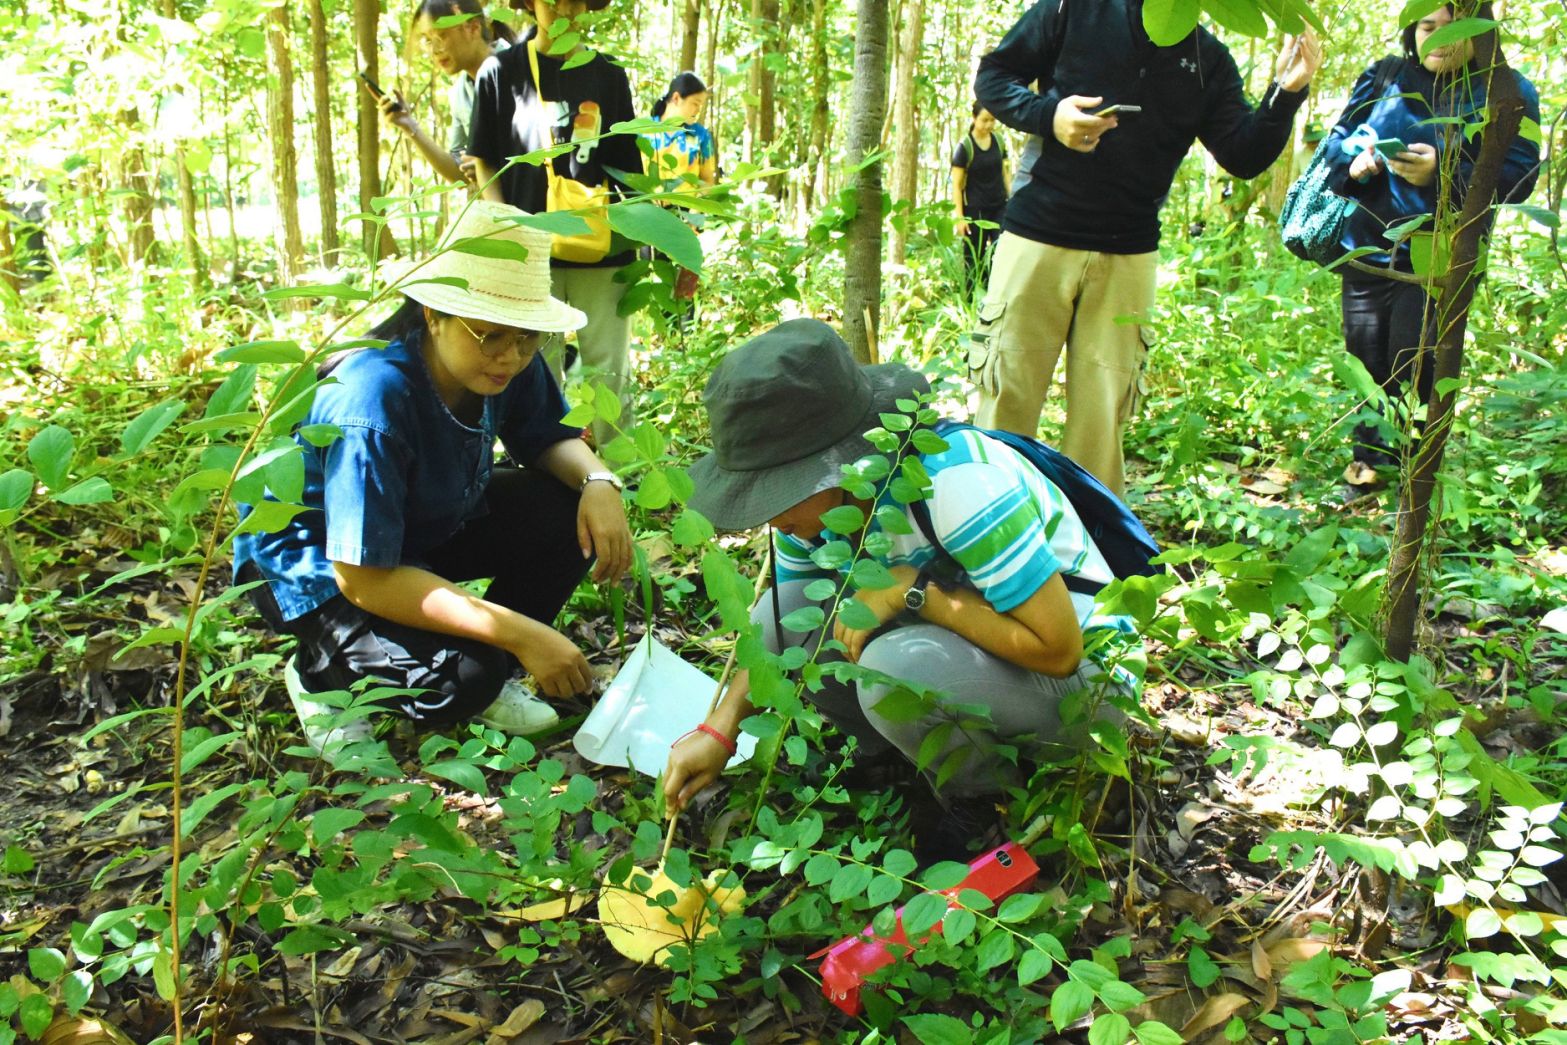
729,745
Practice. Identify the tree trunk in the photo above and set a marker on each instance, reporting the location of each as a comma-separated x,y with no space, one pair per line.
821,87
862,243
905,165
715,16
326,170
1447,319
187,190
280,116
690,30
136,178
378,241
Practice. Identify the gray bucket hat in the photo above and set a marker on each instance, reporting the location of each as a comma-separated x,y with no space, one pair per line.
788,408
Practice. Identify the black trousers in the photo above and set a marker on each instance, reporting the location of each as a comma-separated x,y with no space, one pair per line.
978,245
1383,321
527,542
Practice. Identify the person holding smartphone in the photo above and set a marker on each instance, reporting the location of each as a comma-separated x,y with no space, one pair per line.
1076,262
458,38
1395,145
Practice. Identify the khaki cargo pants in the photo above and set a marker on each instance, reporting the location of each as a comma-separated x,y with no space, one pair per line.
1041,298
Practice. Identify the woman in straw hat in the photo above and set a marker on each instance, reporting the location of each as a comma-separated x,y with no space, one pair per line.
404,499
1008,646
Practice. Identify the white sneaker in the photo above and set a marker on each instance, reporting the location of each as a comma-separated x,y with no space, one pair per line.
518,712
325,735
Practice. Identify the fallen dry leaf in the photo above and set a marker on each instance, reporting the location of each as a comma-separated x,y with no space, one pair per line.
1216,1010
521,1018
1294,949
1260,963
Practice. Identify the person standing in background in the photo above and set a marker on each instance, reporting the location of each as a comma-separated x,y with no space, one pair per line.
1076,262
458,38
530,99
979,193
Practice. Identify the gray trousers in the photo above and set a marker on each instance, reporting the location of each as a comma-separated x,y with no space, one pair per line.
603,346
985,698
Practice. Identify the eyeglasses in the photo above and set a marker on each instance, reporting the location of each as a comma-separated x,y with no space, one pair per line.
497,343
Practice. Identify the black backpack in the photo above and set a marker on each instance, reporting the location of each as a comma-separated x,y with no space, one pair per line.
1124,542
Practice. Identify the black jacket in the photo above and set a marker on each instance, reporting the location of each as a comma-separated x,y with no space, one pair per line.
1108,200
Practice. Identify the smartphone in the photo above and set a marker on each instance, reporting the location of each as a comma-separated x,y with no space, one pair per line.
1389,148
1117,110
375,89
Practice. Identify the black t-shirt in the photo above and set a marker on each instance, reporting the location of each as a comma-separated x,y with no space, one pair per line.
507,121
985,191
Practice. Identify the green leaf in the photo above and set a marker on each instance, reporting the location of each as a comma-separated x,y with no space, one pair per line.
1119,996
870,575
464,774
51,452
1110,1029
95,490
937,1029
922,912
848,882
16,860
205,804
853,613
1455,32
268,517
846,519
804,620
1034,965
820,868
957,924
148,425
901,705
333,291
1019,907
76,990
1202,969
1242,16
660,228
37,1012
328,823
307,939
1152,1032
691,529
46,964
1069,1003
821,589
491,247
997,948
263,352
199,753
16,487
1482,922
1169,21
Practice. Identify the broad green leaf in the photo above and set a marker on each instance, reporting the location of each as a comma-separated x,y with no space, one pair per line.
804,620
332,291
1456,32
464,774
1020,907
923,912
997,948
846,519
234,394
855,614
820,868
95,490
199,753
51,452
1152,1032
148,425
1168,22
1069,1003
957,925
1110,1029
1481,922
37,1012
16,487
1034,965
326,824
691,529
1203,970
307,939
75,990
46,964
263,352
1119,996
1242,16
938,1029
660,228
205,804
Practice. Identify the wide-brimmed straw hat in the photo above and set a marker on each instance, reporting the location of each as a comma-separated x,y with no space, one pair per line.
788,409
490,268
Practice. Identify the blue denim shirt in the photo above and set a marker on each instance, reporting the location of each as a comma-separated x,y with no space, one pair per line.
404,476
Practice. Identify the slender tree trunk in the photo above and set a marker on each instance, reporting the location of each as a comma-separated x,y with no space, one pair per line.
136,178
10,264
280,115
821,86
690,31
1455,290
326,170
715,16
187,192
228,180
905,164
378,241
862,243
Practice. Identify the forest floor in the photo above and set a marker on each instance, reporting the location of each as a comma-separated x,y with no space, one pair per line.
94,818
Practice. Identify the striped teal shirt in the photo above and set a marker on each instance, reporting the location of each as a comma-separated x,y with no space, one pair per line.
1007,525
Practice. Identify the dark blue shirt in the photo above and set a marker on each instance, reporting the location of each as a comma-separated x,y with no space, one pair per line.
1413,107
403,477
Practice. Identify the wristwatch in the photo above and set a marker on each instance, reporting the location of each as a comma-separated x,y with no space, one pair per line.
914,598
608,477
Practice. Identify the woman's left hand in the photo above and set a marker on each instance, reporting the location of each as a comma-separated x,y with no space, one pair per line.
885,603
602,530
1416,165
1298,60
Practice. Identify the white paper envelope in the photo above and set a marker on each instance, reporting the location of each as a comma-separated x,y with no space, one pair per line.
655,699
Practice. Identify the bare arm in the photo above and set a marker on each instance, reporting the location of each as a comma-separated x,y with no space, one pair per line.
601,517
1040,634
489,183
420,599
959,184
696,760
395,111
